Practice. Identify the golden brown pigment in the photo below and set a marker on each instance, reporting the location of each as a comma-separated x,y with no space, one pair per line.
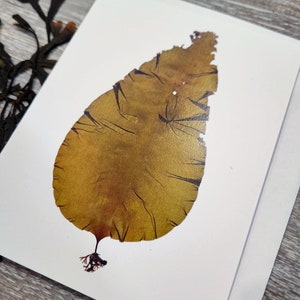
131,166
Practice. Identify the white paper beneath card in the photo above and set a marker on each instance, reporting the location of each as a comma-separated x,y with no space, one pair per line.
274,208
199,258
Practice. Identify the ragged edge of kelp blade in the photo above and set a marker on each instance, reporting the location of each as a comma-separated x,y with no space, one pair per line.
178,83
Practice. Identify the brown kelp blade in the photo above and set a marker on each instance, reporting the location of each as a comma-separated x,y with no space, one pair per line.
131,166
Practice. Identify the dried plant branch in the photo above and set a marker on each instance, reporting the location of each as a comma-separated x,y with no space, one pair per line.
14,97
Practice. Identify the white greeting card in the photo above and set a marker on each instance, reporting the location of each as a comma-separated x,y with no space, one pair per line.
200,258
273,210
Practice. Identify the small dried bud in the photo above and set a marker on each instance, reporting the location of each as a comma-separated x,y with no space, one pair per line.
56,27
62,34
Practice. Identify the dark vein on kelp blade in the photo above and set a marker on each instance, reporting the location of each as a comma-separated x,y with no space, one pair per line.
57,166
171,110
117,230
75,130
200,105
139,72
152,176
186,179
125,207
166,113
155,75
82,129
180,129
190,201
123,236
153,221
187,126
166,119
120,127
157,59
163,119
196,162
172,223
108,127
185,212
86,226
130,76
201,117
55,178
88,114
117,88
175,128
65,143
167,122
125,233
206,73
98,123
84,124
205,95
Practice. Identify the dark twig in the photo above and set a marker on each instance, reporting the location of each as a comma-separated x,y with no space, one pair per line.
15,98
